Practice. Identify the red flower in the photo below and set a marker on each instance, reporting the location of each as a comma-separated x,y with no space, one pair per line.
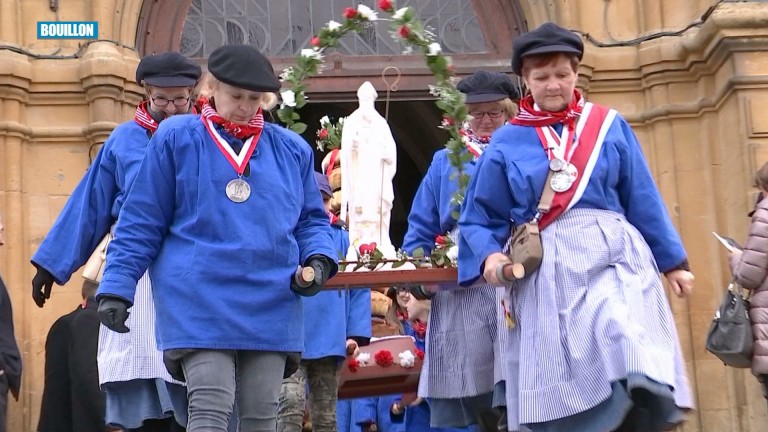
350,13
447,121
404,32
353,364
315,41
440,240
367,249
384,358
385,5
322,134
419,354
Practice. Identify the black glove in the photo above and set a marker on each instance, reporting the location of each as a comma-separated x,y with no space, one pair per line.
41,285
113,312
322,267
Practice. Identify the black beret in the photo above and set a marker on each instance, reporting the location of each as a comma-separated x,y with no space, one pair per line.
243,66
547,38
168,69
484,86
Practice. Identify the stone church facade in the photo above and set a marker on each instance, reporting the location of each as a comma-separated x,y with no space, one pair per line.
691,76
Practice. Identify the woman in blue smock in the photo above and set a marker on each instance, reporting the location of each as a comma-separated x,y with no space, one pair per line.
592,345
140,394
223,211
459,378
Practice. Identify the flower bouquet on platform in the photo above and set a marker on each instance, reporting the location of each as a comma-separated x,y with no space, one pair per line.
437,268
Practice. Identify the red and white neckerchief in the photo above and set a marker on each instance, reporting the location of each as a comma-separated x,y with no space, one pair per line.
475,144
240,131
420,328
529,114
144,118
254,128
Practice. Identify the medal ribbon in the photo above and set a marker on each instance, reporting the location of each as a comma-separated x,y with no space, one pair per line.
560,149
593,125
238,161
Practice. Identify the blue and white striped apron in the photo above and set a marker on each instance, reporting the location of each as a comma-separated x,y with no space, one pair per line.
593,314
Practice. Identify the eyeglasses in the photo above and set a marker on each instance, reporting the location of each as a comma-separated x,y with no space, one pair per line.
491,114
179,102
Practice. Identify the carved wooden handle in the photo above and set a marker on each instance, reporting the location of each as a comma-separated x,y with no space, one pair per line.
304,276
508,273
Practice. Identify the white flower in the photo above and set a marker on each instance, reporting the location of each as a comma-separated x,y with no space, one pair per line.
434,49
400,13
325,121
333,25
453,253
407,359
363,358
311,53
289,98
366,12
287,73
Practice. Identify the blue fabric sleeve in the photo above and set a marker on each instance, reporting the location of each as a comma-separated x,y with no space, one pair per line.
144,219
84,220
365,410
359,315
424,219
312,232
484,224
643,205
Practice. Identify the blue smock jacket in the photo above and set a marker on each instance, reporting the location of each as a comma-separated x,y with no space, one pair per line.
95,203
377,410
431,209
509,180
332,317
221,270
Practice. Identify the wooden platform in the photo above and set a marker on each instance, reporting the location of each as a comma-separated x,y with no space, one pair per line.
388,278
374,380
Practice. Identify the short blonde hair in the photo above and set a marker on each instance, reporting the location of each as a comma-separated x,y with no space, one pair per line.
211,83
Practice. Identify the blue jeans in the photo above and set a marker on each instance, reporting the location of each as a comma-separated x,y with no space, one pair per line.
215,377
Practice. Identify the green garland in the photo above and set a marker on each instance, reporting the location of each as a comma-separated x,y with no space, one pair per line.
407,28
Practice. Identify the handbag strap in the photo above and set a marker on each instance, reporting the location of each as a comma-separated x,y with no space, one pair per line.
547,195
736,288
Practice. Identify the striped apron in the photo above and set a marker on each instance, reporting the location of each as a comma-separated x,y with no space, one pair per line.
594,313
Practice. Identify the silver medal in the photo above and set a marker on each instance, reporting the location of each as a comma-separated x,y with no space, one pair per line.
556,164
563,180
238,190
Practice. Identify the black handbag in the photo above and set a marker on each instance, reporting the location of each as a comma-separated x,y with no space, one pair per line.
730,335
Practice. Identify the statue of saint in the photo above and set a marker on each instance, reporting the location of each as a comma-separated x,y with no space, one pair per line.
368,165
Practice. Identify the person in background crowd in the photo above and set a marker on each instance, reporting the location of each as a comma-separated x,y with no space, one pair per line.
592,344
140,394
190,216
416,413
72,399
458,378
10,357
336,323
749,267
